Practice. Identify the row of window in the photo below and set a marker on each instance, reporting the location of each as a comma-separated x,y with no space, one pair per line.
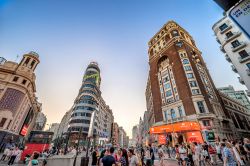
89,91
87,102
81,114
85,121
87,97
27,62
15,79
84,108
78,129
189,74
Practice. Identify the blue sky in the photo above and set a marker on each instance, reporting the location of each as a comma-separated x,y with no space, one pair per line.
69,34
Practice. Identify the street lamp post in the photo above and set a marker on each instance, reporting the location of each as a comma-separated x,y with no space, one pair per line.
67,140
79,137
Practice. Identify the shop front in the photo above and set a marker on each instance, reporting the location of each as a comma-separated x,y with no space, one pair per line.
177,133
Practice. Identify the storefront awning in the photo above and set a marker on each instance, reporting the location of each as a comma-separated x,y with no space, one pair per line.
176,127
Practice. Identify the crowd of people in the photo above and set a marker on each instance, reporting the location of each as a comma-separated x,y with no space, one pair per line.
12,154
226,153
111,156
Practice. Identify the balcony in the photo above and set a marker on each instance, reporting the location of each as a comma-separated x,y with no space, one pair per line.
248,72
228,58
241,45
241,80
241,59
233,36
222,49
224,30
205,115
234,69
218,40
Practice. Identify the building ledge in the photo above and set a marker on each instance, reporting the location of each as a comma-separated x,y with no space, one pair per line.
228,39
205,115
241,60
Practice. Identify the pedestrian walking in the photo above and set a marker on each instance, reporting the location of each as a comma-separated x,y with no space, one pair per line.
13,156
94,157
237,154
228,159
148,157
5,153
152,154
109,159
133,159
218,151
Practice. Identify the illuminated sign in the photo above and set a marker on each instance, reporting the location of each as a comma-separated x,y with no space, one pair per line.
176,127
240,14
24,130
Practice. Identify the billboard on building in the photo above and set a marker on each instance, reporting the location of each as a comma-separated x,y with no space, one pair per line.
240,14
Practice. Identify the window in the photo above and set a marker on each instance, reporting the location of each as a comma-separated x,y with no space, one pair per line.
190,75
235,43
172,112
32,64
185,61
168,93
166,115
223,26
243,54
206,123
175,90
27,61
180,111
167,85
229,34
193,83
248,65
195,91
166,79
24,82
15,79
177,97
187,68
175,33
201,106
3,122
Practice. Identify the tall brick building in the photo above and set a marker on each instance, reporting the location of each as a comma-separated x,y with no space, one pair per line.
182,88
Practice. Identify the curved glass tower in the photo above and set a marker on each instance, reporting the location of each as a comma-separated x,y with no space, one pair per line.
87,100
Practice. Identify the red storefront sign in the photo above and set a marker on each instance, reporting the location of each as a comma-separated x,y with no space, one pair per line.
194,136
162,139
24,130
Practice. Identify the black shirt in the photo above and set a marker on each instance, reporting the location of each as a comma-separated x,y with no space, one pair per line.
108,160
94,158
152,152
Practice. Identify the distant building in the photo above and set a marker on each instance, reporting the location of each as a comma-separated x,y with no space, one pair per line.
226,4
239,117
63,127
239,95
54,128
19,105
115,134
41,120
122,138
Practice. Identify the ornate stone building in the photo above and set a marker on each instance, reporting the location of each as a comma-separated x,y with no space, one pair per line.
182,88
18,102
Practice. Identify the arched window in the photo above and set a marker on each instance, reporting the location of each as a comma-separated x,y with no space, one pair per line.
185,61
172,112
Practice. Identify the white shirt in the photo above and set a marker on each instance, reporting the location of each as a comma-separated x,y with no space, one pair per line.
133,161
183,153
